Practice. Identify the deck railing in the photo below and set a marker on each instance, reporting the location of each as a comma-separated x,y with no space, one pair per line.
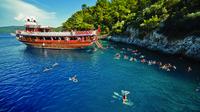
73,33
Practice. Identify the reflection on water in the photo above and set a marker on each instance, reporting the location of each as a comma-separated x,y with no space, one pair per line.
89,55
73,55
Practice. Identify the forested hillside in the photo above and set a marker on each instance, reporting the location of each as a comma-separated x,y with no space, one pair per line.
171,17
10,29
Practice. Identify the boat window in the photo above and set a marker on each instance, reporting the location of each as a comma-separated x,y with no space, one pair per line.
73,38
47,38
62,38
55,38
33,37
41,38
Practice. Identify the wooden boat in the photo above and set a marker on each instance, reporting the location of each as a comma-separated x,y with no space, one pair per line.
39,36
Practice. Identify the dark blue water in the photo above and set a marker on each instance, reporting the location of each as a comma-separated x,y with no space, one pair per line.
25,87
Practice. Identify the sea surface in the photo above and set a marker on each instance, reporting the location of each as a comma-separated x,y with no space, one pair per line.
37,80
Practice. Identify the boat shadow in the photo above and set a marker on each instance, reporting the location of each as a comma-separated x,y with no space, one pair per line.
72,54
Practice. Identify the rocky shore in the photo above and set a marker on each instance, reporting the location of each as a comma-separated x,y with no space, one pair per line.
189,47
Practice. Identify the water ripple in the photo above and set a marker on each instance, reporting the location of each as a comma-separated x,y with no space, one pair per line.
25,87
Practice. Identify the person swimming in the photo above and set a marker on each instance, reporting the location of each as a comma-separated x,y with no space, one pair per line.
131,59
142,56
95,49
143,61
51,67
46,69
125,57
134,51
189,69
117,56
124,96
55,64
74,78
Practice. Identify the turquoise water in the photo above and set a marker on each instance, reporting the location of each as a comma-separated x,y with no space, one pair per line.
24,86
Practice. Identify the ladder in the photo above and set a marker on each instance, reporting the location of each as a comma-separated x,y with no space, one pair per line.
98,44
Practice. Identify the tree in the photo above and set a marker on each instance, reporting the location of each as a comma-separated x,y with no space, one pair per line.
114,16
84,6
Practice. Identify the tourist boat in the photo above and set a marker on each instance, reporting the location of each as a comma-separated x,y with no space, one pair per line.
39,36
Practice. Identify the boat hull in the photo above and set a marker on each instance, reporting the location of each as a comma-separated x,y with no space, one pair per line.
57,44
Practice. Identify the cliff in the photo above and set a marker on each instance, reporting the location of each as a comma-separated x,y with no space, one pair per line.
189,46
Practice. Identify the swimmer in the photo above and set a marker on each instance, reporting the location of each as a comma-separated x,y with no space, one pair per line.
125,57
174,67
135,54
150,62
153,62
46,69
95,49
143,60
74,78
124,99
189,69
117,56
160,63
142,56
131,59
135,59
168,69
89,50
124,96
134,51
55,64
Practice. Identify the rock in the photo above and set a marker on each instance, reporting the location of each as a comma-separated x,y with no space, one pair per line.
190,46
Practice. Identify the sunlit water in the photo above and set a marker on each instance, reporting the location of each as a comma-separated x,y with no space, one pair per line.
24,86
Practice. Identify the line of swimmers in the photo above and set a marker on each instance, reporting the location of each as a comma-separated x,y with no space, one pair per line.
168,67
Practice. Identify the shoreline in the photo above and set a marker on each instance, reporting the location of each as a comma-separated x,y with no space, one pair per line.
188,47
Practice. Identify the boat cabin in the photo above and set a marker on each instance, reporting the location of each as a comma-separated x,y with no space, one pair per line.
37,28
32,26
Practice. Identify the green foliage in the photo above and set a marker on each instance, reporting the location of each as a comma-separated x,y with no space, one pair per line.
58,29
193,15
150,23
10,29
109,14
183,18
84,7
117,28
114,16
